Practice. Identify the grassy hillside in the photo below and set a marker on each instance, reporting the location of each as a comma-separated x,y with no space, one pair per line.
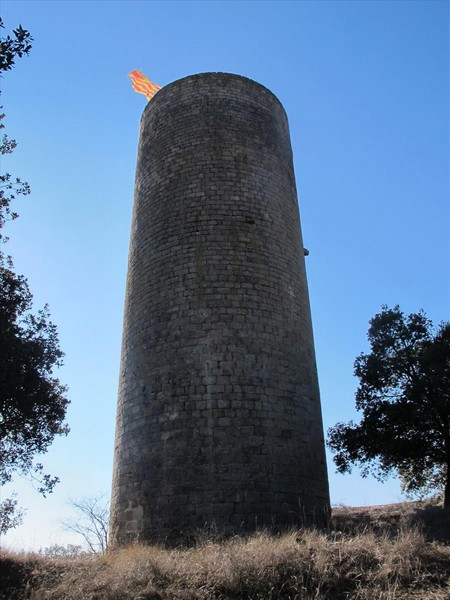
399,551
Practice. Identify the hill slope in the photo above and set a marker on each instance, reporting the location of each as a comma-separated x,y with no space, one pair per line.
379,553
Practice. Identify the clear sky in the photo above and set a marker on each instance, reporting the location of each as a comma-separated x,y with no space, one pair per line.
365,86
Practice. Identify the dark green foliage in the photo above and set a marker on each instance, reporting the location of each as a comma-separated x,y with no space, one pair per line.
10,515
10,187
32,401
14,47
404,397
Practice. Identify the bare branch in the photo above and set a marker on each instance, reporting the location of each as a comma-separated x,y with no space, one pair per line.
91,522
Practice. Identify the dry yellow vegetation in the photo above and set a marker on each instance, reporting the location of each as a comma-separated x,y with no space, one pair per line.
382,553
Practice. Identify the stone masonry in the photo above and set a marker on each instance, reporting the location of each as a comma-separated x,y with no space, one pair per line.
218,420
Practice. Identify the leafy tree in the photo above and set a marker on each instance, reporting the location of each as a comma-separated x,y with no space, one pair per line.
32,400
10,49
13,47
404,396
10,515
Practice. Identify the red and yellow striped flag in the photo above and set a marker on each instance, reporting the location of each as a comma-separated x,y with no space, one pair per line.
142,85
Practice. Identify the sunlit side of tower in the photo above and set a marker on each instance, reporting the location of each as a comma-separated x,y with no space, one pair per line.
218,419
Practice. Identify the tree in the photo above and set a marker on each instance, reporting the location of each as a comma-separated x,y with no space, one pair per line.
91,523
10,515
10,49
32,401
404,396
59,551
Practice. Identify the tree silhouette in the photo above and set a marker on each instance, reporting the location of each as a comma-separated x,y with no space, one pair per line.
32,401
404,396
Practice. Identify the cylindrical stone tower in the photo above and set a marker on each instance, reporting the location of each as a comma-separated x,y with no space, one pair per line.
218,421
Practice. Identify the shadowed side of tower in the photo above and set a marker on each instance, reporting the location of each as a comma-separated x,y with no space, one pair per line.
218,418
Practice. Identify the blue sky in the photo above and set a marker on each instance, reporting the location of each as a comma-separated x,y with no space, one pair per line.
365,86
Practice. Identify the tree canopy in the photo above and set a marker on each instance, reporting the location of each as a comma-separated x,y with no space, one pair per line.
10,187
14,47
404,397
32,401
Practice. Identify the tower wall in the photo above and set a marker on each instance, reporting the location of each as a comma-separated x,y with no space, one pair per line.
218,418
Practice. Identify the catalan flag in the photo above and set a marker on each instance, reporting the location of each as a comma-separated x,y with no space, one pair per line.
142,84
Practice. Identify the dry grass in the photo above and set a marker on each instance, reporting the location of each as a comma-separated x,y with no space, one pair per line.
367,557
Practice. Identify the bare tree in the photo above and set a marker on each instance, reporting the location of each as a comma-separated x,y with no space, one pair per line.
59,551
91,522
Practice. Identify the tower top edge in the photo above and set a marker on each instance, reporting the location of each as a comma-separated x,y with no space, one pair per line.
211,76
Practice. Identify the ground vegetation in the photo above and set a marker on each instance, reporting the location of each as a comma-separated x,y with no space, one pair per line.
381,553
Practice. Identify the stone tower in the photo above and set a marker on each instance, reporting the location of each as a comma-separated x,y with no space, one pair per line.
218,419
